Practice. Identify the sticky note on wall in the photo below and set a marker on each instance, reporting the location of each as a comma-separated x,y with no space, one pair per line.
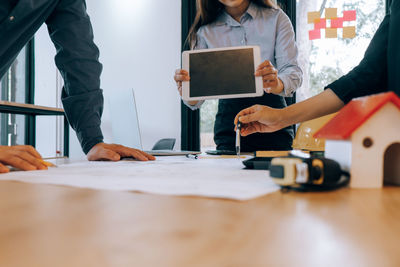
349,15
314,34
349,32
337,23
321,24
331,13
331,33
313,17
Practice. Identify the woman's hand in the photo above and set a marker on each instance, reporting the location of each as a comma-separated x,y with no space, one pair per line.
271,82
264,119
25,158
260,119
179,77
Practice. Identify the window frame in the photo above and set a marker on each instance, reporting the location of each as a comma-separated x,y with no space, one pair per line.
30,121
190,119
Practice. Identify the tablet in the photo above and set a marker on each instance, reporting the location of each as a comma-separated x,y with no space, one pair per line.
222,73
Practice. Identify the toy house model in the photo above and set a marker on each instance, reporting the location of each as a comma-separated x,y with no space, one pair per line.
364,137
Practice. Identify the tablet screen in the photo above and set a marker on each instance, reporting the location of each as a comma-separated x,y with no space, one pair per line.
222,73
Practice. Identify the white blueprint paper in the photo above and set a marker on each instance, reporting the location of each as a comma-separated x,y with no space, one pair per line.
180,176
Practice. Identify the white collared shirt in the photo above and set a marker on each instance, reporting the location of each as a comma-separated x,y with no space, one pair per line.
268,28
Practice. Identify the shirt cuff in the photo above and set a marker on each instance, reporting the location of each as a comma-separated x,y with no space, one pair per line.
288,89
89,137
195,107
342,89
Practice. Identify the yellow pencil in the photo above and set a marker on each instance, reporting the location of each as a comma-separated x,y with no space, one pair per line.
48,164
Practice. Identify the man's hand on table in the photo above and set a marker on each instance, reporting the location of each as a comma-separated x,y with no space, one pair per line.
25,158
114,152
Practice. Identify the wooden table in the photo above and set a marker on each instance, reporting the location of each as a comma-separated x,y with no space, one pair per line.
44,225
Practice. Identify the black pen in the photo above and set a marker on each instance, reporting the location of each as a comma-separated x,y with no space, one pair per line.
238,127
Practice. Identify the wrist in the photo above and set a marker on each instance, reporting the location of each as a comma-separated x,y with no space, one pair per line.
89,147
281,86
288,116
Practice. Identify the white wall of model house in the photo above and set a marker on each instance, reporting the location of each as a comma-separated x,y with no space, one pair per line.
368,164
139,44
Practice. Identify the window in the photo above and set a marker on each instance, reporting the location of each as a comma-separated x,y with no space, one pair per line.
324,59
207,118
13,89
49,130
17,88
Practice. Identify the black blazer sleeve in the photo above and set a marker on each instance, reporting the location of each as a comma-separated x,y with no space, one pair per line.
77,59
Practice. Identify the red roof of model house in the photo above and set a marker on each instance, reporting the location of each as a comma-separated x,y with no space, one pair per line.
354,114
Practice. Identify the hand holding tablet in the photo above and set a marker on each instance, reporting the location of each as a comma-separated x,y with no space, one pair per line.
220,73
271,82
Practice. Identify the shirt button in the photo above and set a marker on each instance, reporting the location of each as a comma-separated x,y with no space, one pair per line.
11,18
